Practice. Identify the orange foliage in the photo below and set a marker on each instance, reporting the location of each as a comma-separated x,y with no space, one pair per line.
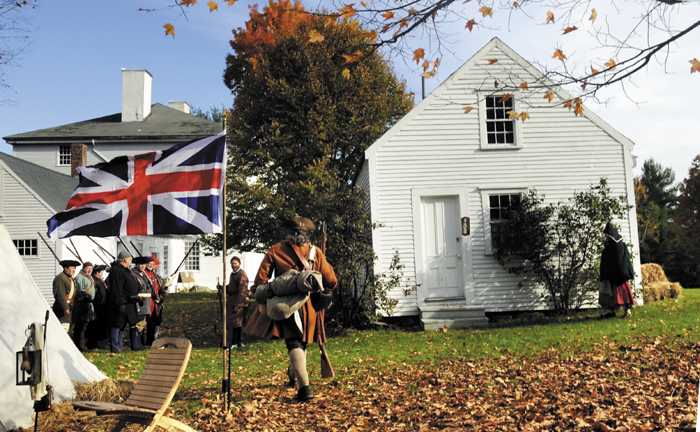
281,18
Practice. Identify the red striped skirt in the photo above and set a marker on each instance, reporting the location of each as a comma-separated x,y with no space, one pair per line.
622,296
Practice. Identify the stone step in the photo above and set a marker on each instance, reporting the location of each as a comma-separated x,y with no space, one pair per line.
452,312
454,324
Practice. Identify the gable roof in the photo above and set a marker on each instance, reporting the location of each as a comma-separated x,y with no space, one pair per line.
53,188
494,43
163,123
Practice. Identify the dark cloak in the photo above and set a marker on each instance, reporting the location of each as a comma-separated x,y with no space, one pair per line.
615,262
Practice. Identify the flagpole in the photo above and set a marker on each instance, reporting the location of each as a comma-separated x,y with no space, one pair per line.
226,387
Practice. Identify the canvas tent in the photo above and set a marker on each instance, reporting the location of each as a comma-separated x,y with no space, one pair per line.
22,304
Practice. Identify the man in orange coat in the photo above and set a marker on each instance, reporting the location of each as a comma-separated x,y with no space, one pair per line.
306,325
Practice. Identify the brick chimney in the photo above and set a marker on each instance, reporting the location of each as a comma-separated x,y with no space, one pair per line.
78,158
136,94
180,106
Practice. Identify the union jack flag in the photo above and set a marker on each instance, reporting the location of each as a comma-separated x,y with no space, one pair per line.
174,191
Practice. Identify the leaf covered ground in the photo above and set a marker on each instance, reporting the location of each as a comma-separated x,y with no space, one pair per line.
568,373
642,387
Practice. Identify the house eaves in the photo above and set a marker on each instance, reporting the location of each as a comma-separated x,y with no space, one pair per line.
163,123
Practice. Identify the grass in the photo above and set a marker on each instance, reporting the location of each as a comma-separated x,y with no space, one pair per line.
195,316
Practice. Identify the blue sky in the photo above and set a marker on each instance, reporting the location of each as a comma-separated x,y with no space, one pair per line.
72,70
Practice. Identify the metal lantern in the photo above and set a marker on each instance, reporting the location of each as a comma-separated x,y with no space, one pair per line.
29,364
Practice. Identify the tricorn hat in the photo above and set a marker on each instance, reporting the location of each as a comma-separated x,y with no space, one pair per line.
142,260
98,268
299,223
69,263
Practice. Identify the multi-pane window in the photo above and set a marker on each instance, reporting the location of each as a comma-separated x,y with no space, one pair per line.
64,155
499,205
192,263
164,261
27,247
499,128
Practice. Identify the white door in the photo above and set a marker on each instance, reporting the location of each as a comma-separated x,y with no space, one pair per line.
442,249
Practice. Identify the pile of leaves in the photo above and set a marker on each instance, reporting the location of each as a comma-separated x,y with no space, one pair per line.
641,387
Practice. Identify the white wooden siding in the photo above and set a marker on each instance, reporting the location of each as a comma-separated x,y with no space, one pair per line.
23,214
439,146
46,155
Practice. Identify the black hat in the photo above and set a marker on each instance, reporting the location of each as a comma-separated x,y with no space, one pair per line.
99,268
69,263
142,260
299,223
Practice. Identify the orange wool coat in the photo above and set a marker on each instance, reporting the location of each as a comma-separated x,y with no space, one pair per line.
279,259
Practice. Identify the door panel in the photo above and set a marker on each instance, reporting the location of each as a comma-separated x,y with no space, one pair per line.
442,247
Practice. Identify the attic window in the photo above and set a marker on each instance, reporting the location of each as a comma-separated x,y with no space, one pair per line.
497,130
64,155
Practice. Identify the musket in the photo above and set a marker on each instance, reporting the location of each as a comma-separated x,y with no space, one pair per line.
102,249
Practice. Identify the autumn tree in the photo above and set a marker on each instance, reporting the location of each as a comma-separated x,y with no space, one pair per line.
303,115
558,245
686,227
15,29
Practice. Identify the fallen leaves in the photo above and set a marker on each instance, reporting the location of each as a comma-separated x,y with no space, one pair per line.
610,388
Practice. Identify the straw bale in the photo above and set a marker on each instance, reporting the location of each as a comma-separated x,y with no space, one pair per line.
675,290
107,390
653,273
657,291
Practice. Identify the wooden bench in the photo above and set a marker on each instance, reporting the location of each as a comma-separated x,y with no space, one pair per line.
149,401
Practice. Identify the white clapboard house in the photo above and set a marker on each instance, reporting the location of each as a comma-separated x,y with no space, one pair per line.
439,166
38,179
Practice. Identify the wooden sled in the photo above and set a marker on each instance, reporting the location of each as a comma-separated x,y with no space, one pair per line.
149,402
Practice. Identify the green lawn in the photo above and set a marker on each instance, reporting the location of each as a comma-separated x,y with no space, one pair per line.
653,355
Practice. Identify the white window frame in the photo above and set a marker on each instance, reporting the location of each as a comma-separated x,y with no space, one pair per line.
486,211
517,131
164,261
70,156
193,261
34,244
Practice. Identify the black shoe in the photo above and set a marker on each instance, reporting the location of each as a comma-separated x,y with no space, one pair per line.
292,381
304,394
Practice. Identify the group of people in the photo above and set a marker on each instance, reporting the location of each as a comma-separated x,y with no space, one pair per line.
133,298
100,310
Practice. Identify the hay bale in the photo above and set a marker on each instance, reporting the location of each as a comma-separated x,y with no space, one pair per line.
653,273
675,290
107,390
657,291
